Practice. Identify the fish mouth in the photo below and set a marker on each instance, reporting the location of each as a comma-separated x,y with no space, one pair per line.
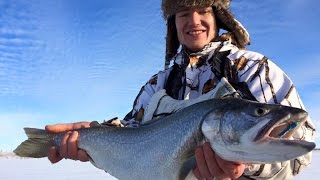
274,137
281,129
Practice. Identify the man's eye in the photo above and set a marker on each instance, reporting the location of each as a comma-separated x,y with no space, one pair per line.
183,15
205,12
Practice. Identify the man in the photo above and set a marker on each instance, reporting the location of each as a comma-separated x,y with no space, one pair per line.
204,58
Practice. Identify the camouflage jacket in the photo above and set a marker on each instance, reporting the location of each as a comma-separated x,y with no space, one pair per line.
253,75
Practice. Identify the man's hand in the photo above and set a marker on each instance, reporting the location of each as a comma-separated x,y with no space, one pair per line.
210,165
69,145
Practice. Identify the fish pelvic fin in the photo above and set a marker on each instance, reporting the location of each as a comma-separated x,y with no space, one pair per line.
37,145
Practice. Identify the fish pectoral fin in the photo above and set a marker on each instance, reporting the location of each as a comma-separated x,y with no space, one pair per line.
190,176
186,168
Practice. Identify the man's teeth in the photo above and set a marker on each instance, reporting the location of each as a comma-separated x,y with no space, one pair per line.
195,32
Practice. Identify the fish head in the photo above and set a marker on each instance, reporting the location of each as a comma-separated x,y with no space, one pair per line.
251,132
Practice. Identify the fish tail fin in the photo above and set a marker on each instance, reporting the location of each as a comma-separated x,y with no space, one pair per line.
37,145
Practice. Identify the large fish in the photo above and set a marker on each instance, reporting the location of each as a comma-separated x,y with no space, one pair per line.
238,130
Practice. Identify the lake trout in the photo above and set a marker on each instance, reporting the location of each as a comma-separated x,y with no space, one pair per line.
237,130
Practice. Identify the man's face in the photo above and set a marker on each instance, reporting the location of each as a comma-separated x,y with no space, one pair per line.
196,27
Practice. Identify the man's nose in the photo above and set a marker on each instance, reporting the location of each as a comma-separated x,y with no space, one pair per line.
195,18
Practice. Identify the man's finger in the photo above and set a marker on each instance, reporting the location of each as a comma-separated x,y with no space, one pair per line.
211,161
64,145
83,156
53,155
196,173
234,170
57,128
72,144
202,164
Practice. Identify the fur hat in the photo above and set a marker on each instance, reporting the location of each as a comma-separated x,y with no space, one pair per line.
225,20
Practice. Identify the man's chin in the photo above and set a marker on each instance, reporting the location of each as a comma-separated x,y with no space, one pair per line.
195,48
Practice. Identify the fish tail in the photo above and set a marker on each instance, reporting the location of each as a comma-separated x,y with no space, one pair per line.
37,145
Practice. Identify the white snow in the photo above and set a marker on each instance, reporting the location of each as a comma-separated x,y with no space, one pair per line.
13,168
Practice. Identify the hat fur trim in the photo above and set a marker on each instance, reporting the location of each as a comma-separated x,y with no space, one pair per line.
171,7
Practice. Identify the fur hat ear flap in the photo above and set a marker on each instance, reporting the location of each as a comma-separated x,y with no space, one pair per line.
222,3
172,41
229,23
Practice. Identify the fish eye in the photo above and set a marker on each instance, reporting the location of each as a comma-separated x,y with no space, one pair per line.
260,111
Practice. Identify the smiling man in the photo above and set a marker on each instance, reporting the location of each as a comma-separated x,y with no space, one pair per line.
196,27
201,57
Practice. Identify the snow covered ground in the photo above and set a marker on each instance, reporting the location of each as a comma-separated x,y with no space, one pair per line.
12,168
41,169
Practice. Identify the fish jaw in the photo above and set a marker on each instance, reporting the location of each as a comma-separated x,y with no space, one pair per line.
239,135
270,149
296,116
262,148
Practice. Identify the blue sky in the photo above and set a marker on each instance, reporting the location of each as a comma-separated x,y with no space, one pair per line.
67,61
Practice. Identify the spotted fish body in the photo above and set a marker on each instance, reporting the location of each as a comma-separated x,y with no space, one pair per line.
238,130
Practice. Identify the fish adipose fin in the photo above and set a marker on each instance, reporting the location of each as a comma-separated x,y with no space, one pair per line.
37,145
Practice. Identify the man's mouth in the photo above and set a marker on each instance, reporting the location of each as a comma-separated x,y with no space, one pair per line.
195,32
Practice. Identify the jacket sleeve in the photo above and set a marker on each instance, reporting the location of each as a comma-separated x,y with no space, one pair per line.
156,83
269,84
